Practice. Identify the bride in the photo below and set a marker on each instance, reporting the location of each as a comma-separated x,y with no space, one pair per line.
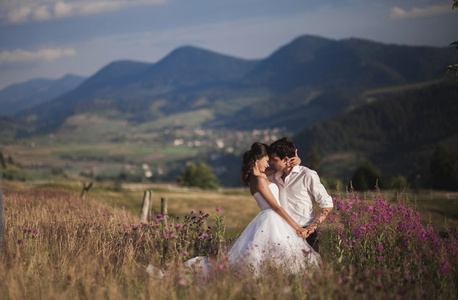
273,238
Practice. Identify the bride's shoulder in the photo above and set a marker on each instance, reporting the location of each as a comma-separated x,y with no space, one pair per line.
260,180
255,183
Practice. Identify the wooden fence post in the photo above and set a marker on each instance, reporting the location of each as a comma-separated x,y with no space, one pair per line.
164,206
2,221
146,206
86,189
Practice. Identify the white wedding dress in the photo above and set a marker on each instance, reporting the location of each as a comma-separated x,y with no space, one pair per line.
268,241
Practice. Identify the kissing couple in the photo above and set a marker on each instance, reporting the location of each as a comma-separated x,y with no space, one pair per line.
283,233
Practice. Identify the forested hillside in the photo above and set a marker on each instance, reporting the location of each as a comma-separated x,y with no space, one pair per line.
398,134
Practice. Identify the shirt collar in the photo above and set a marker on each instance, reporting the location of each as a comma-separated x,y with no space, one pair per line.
279,174
295,169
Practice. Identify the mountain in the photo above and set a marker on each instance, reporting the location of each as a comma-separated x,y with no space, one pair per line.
397,134
304,82
133,87
112,76
20,96
190,66
316,78
356,63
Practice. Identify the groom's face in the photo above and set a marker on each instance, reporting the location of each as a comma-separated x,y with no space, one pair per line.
279,164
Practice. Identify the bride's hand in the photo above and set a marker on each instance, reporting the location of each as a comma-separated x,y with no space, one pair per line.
294,161
302,232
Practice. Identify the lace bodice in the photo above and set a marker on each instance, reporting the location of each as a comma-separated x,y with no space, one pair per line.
262,203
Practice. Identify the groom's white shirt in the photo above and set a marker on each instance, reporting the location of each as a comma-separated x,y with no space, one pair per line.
297,193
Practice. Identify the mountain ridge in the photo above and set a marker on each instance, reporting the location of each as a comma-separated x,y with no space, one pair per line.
305,81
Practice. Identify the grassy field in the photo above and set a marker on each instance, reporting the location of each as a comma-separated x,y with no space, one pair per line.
107,158
59,246
440,209
238,205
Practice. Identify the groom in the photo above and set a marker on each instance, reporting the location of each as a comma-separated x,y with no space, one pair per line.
299,187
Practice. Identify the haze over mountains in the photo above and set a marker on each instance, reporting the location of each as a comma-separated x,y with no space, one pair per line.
27,94
305,82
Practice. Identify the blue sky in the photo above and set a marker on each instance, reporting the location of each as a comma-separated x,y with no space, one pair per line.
49,38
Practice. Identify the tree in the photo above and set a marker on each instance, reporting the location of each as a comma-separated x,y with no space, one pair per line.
366,177
198,175
444,167
314,159
2,161
397,183
453,69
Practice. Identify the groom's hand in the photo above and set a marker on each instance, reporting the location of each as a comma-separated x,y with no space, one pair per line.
308,231
303,233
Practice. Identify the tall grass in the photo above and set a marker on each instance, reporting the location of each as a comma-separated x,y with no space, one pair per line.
59,247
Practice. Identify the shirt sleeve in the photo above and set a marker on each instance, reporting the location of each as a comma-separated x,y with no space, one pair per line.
317,190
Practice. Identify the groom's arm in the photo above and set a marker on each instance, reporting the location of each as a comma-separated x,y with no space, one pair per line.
322,215
321,196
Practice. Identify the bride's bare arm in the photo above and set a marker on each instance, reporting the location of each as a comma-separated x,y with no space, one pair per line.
262,185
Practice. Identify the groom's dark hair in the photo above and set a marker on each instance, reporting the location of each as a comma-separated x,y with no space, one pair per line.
284,147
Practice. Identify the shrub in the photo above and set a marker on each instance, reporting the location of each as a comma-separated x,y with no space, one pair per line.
397,183
366,177
198,175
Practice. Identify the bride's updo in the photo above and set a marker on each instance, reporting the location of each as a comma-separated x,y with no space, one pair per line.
257,151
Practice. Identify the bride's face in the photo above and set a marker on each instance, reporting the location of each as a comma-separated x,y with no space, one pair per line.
263,163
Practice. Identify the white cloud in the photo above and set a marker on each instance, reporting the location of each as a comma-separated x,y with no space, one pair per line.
21,11
101,7
62,10
47,54
42,13
19,15
399,13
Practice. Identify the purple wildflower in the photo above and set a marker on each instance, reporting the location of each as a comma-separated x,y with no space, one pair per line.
204,235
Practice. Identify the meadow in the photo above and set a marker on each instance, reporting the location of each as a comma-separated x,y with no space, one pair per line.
103,147
58,246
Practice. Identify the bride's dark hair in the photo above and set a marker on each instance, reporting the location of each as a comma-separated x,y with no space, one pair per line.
257,151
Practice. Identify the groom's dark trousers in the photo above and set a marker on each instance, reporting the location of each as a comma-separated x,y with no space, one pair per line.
313,241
